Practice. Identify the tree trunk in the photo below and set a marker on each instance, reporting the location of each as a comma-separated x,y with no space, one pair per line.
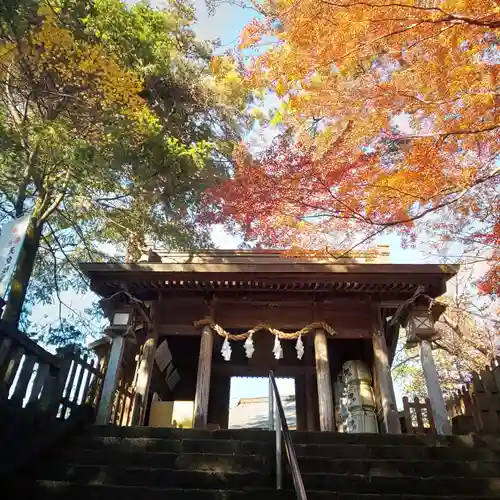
23,271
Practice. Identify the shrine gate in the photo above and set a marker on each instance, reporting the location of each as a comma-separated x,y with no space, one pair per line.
183,324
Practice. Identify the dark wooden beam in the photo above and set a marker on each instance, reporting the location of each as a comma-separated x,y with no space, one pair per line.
191,331
230,370
179,330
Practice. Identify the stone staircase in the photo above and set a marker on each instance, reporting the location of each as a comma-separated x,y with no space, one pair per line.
107,463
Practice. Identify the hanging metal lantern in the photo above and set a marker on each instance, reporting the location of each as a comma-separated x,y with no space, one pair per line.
421,325
121,318
120,321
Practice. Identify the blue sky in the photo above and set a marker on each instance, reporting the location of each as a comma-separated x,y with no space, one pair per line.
226,24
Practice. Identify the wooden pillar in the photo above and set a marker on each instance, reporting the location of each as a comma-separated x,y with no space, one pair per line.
325,395
203,378
384,378
110,381
218,408
439,412
311,403
300,402
311,388
224,396
144,374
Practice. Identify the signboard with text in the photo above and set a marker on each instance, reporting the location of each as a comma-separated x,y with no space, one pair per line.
163,355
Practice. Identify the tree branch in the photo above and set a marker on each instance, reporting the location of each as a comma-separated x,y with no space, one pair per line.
440,205
68,259
452,132
404,361
448,15
85,322
50,209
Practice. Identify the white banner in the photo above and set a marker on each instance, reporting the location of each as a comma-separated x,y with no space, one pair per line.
11,240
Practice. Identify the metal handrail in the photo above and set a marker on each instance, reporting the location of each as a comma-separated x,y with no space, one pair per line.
277,420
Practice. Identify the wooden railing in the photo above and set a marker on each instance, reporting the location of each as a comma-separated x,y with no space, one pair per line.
83,384
123,406
479,400
474,407
418,416
35,379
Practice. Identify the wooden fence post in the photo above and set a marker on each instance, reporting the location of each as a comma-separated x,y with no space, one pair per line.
23,380
4,351
418,414
41,378
59,383
10,372
407,415
422,427
136,409
430,416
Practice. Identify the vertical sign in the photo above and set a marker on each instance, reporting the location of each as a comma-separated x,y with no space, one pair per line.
11,240
163,355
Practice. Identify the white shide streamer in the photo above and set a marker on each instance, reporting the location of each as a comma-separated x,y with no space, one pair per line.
299,346
226,350
249,348
277,349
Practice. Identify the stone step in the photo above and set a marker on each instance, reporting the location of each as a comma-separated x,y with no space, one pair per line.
297,436
248,463
186,461
52,490
336,451
213,480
